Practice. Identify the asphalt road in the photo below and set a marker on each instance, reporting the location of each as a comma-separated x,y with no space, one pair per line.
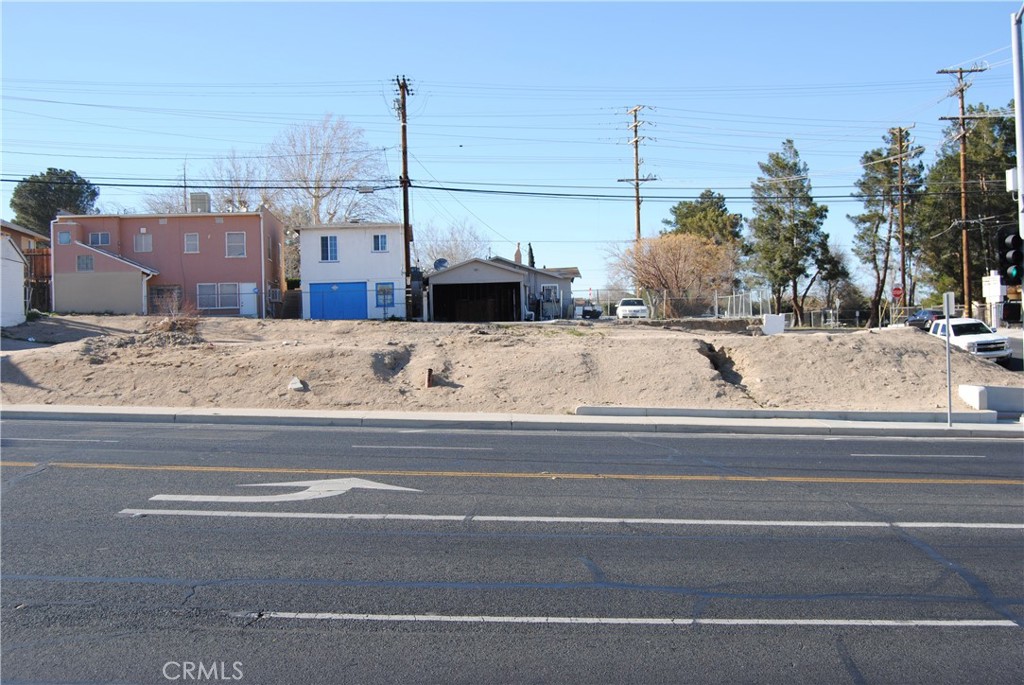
525,557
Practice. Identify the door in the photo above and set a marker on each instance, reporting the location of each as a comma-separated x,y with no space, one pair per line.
248,296
337,300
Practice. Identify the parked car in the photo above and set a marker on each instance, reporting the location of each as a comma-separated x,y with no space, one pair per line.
923,318
590,311
974,336
632,308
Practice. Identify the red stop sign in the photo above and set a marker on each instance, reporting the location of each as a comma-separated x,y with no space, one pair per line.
897,292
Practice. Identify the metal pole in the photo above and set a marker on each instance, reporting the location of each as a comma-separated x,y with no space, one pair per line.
1018,98
948,307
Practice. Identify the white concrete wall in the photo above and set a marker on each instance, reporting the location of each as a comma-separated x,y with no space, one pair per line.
12,285
357,262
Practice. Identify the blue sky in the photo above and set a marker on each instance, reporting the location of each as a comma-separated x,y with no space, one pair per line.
507,97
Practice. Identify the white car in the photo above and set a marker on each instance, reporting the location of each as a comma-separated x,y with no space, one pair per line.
631,308
974,336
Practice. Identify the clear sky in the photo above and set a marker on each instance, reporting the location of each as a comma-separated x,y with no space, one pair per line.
522,97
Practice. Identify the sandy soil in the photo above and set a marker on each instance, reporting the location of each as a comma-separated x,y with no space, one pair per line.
527,368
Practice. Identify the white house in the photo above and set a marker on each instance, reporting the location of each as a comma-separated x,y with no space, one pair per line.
352,271
13,271
499,289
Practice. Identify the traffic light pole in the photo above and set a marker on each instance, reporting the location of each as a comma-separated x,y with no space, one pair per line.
1018,98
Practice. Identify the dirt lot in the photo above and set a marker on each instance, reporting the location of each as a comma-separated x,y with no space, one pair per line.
523,368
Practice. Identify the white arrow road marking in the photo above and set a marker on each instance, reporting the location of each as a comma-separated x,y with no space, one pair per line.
314,489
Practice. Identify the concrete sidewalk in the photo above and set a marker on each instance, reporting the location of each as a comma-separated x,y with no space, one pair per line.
965,425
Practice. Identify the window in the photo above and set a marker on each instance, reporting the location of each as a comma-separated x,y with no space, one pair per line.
217,295
328,248
84,263
144,242
191,243
235,244
99,239
229,295
385,294
64,238
380,243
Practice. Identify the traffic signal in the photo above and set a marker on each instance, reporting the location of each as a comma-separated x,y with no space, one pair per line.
1011,255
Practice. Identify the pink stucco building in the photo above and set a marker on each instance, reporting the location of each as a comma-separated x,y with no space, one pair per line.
220,263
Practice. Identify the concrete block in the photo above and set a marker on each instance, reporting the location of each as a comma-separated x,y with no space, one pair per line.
993,398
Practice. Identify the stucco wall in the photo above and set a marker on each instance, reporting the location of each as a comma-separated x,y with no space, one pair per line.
98,292
357,263
476,272
176,267
12,286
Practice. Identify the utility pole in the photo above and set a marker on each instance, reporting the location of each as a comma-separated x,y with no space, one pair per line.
636,180
636,162
899,131
959,90
403,91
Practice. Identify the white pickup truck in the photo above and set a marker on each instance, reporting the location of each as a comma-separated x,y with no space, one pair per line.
974,336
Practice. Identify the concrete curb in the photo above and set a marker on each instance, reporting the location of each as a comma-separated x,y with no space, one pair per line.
821,426
982,416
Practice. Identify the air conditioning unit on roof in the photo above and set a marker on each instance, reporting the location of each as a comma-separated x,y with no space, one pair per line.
199,203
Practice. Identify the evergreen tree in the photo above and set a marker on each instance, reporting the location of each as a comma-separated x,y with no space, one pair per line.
990,152
787,240
877,227
529,256
706,217
37,199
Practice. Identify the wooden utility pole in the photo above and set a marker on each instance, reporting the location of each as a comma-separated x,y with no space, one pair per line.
403,91
903,238
636,180
965,249
636,163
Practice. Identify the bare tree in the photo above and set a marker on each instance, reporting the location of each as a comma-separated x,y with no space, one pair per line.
325,166
686,267
241,184
166,201
456,242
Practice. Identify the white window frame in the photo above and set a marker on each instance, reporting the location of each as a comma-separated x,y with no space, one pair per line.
85,259
146,238
228,246
328,243
102,239
378,240
222,296
385,290
196,246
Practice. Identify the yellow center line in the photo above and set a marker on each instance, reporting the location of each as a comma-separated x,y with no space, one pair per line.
543,475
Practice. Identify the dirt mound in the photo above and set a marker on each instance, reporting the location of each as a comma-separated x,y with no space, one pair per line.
523,368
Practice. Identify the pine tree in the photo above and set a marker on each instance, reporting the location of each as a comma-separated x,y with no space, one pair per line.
37,199
877,227
786,226
706,217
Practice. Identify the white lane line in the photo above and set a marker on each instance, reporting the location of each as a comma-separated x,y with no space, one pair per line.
587,620
924,456
55,440
565,519
421,449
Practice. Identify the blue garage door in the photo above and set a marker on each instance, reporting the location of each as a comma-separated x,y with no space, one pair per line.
337,300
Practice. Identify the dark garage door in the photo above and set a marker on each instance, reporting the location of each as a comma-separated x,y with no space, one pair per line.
337,300
477,302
